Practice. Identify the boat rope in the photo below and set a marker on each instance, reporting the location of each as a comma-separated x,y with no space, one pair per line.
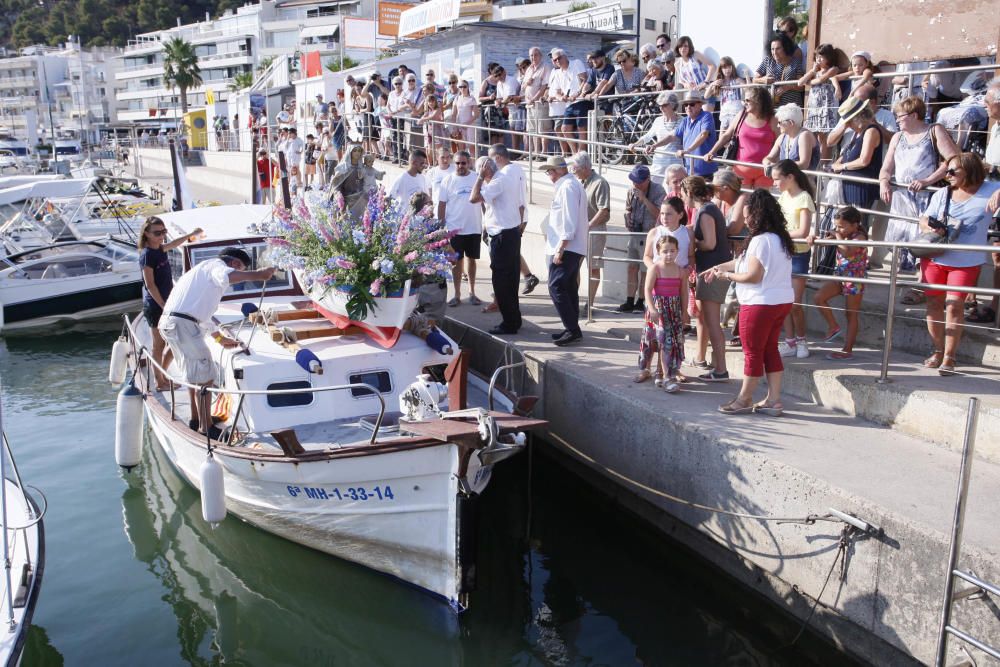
841,557
809,519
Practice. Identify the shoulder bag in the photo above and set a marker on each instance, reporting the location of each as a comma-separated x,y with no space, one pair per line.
732,149
931,244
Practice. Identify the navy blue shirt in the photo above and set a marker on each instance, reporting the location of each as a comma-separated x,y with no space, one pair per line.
157,260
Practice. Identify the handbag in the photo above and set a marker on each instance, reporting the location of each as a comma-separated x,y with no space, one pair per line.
826,260
732,149
930,244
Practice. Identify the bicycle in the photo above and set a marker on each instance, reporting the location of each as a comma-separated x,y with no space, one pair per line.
632,118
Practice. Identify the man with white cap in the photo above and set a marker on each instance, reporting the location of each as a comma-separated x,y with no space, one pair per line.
697,133
566,245
284,117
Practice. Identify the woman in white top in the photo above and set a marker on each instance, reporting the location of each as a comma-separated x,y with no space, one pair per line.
661,139
672,222
763,277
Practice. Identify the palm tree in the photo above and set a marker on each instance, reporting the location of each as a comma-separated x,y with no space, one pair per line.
180,68
241,80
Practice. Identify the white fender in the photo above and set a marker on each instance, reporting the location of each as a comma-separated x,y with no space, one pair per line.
119,361
213,491
128,427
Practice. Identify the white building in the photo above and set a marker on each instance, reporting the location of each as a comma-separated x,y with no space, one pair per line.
64,89
236,42
651,17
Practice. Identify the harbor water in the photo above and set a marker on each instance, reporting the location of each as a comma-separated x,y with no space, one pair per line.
134,576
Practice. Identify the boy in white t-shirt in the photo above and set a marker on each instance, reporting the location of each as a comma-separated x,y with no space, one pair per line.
466,220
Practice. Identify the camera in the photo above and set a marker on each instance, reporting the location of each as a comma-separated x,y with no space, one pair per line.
934,223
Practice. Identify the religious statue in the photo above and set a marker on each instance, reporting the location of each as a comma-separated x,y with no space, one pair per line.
354,178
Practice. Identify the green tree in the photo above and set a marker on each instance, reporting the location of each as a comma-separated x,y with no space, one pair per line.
338,63
180,68
241,80
265,62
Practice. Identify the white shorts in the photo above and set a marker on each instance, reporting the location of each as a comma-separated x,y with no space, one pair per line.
191,353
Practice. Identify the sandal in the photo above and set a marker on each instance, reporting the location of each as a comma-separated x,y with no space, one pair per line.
672,387
775,410
733,407
475,300
914,298
454,301
947,366
934,361
491,308
840,356
984,316
642,376
837,333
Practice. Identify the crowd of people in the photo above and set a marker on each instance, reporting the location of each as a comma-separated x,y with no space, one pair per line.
707,243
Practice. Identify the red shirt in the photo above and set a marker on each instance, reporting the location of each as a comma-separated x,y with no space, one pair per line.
264,172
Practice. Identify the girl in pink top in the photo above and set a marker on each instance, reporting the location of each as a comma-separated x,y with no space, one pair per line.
665,303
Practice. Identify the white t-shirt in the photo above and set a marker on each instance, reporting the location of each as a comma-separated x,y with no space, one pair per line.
568,217
566,82
459,214
513,170
683,237
503,200
436,176
293,151
406,186
199,291
776,286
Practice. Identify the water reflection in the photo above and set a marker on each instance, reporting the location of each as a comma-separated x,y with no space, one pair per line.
243,596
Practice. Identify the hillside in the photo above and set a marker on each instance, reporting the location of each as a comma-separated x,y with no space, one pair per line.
96,22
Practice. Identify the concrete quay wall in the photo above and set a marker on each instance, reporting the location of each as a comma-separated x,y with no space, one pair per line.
885,611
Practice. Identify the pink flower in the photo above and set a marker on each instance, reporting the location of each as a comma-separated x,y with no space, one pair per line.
376,287
410,256
345,263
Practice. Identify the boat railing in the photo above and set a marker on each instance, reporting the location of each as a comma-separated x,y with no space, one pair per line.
9,473
505,364
140,352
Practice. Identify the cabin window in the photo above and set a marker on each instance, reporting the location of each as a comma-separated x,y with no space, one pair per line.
378,379
289,400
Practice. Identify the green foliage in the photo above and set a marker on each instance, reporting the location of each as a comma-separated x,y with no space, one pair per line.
338,63
241,80
580,6
97,22
265,62
180,67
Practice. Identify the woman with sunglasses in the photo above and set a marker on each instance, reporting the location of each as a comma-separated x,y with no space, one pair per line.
966,205
466,112
157,282
661,141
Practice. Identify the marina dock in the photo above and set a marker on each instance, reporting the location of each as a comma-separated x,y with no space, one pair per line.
886,453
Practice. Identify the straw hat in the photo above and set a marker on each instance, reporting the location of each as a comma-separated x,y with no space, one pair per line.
851,107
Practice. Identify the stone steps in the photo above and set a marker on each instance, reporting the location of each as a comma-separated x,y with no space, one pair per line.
916,401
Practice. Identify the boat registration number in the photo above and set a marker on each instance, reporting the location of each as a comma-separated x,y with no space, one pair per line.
351,493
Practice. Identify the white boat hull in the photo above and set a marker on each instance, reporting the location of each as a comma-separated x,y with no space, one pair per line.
395,512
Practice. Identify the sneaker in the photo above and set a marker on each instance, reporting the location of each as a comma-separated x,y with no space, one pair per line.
530,283
640,306
671,387
703,365
626,307
786,350
713,376
801,348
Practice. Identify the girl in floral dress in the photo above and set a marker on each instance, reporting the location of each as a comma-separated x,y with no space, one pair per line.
852,262
665,304
820,80
726,87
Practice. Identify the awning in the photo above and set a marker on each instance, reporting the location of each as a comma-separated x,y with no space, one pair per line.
319,31
68,187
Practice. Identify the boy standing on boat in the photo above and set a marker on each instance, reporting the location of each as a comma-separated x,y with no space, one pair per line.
187,315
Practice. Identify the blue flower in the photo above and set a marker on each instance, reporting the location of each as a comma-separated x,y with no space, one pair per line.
359,236
387,266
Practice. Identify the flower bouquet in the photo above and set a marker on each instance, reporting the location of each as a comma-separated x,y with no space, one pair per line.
360,268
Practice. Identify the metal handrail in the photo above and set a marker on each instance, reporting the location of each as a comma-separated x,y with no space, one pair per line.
496,375
142,351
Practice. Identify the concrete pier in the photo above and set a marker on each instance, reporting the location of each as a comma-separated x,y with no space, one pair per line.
887,453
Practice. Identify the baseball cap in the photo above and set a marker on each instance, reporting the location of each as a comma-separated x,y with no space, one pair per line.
558,162
236,253
639,174
596,53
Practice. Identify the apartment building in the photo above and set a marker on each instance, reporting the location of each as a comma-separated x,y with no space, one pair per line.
238,41
63,89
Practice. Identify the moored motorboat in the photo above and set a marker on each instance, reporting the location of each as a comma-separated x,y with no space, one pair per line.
308,449
23,548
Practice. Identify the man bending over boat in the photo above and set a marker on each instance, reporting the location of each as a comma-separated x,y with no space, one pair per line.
188,316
